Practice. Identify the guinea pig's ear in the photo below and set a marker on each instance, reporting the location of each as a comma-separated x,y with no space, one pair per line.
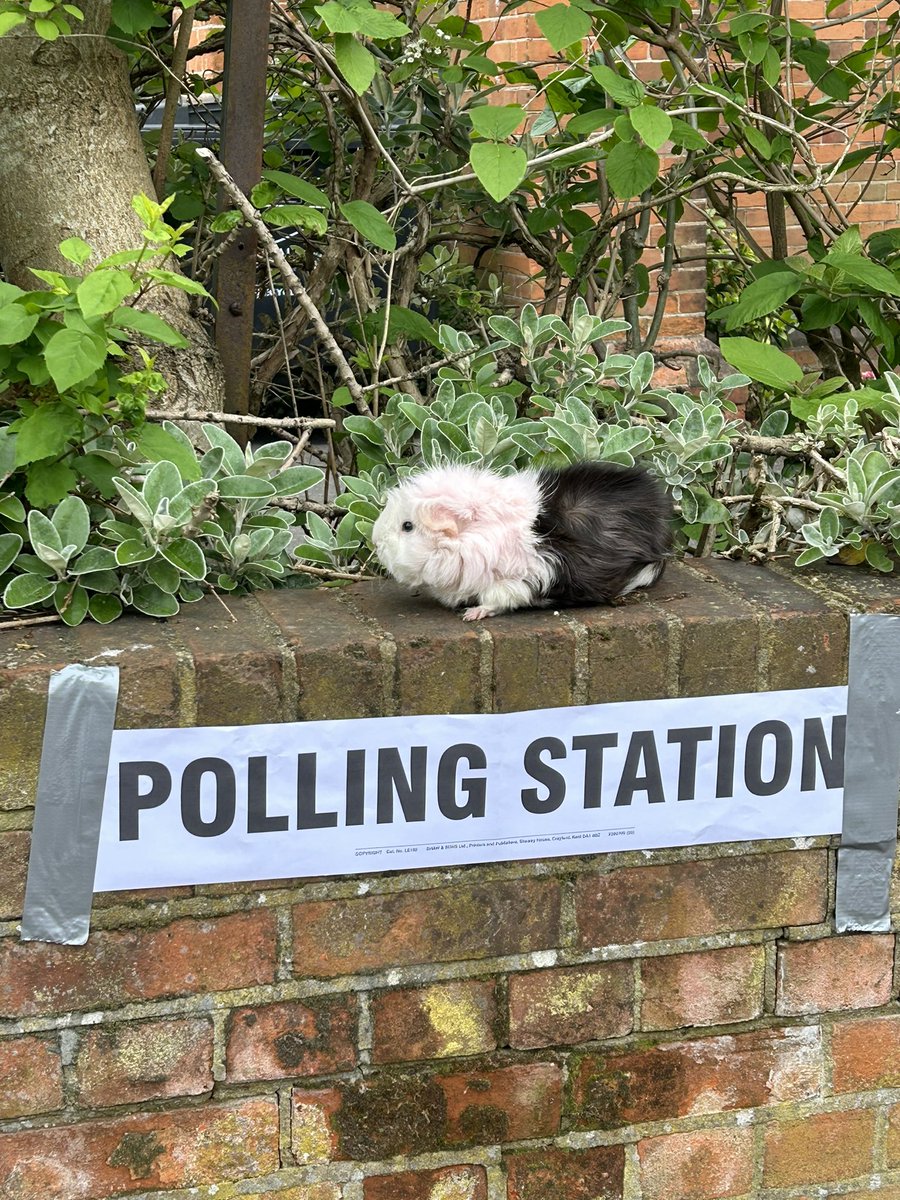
438,517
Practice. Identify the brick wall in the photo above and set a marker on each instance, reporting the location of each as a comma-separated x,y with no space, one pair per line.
666,1025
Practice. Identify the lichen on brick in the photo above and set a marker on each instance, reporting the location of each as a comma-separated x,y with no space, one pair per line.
138,1153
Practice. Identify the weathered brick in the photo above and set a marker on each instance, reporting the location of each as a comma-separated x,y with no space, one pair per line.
116,966
444,1020
314,1036
835,973
534,661
446,1183
717,1074
822,1148
708,988
866,1054
806,639
150,675
303,1191
143,1060
719,895
437,655
705,1164
337,937
340,670
566,1005
892,1151
628,651
32,1076
503,1105
237,666
711,617
552,1174
183,1148
399,1113
14,848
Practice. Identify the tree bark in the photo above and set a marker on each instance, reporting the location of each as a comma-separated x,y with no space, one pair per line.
71,158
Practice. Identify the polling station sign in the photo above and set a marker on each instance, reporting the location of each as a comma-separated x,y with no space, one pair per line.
219,805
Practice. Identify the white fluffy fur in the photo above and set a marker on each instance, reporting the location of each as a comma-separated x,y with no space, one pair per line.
472,538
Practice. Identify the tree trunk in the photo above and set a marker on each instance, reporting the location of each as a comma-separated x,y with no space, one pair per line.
71,158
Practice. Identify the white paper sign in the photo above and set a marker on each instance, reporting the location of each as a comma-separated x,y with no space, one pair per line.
220,805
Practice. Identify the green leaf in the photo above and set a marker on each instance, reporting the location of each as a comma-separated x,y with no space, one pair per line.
163,482
47,431
95,558
298,188
500,168
152,601
16,324
631,169
73,355
150,325
376,23
402,322
300,216
133,551
355,62
46,29
102,291
625,91
71,602
244,487
72,522
864,271
233,454
12,508
686,135
294,480
158,445
186,556
497,121
10,545
104,609
370,224
27,590
761,297
76,250
653,126
561,25
765,364
337,17
49,483
877,557
10,20
134,16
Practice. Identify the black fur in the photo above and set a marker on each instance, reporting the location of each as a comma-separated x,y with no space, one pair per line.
601,524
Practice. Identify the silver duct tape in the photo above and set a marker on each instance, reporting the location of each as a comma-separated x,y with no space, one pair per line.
81,712
871,774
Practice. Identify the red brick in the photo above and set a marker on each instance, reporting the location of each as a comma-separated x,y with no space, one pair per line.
14,849
398,1113
552,1174
340,669
186,957
441,1021
705,1164
314,1036
446,1183
835,973
866,1054
893,1137
337,937
237,665
712,987
534,661
143,1060
819,1149
567,1005
139,1153
719,895
717,1074
503,1105
32,1076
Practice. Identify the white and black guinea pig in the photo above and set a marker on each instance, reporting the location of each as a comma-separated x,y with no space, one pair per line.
584,534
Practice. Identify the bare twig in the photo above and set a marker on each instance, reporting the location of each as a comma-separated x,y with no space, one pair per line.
21,621
219,418
328,573
326,337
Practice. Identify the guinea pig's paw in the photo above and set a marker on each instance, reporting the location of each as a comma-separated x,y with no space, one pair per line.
478,613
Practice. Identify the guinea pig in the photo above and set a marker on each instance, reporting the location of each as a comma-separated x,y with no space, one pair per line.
583,534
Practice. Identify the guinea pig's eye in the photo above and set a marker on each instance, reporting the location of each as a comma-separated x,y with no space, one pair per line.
407,526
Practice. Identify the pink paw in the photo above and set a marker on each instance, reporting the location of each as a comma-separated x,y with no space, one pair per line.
477,614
